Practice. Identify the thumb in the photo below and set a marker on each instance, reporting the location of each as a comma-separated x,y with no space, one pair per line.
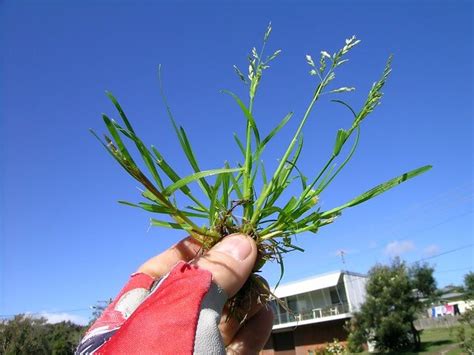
230,262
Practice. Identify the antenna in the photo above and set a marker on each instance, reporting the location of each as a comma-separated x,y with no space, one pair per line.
341,253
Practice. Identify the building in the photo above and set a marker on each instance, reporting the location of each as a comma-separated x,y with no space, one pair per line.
313,311
452,302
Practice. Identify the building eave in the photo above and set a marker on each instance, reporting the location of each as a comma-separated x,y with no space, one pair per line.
292,325
314,283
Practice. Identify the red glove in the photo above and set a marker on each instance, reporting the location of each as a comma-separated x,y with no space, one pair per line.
180,312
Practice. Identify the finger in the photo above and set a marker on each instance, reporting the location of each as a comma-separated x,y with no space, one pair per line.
229,326
253,335
230,261
160,265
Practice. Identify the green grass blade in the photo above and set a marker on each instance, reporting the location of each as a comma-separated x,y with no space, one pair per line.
165,102
263,144
325,178
144,152
197,209
158,223
268,211
279,258
124,159
264,194
316,179
302,177
291,164
192,160
161,209
312,218
239,144
341,138
251,126
236,185
346,105
116,136
174,177
188,150
108,149
286,211
379,189
248,115
196,177
264,173
167,169
225,187
275,130
294,247
282,179
147,206
351,153
214,202
132,170
182,138
150,196
120,111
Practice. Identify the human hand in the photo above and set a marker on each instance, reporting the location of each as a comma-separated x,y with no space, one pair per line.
230,262
185,307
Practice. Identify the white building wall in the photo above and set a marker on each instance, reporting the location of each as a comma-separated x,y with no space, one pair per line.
355,289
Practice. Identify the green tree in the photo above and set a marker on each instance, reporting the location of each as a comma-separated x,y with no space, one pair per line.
25,335
392,302
469,285
423,281
64,337
465,331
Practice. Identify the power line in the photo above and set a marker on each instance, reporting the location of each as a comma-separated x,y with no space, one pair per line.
439,201
373,250
444,253
356,254
436,256
406,235
454,270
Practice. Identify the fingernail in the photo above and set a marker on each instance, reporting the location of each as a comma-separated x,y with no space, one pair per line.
237,246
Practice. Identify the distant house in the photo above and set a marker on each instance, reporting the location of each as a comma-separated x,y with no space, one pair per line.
452,301
318,309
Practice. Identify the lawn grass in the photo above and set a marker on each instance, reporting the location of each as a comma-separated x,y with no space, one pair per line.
436,340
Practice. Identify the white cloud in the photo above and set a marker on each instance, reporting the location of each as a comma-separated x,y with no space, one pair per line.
397,248
53,317
431,250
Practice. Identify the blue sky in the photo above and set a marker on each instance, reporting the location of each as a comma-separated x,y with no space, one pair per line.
66,243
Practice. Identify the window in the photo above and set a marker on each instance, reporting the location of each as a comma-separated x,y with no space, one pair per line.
335,296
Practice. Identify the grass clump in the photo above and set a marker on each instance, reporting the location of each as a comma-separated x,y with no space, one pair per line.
230,202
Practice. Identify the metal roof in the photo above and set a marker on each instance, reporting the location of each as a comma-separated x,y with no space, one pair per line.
308,285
